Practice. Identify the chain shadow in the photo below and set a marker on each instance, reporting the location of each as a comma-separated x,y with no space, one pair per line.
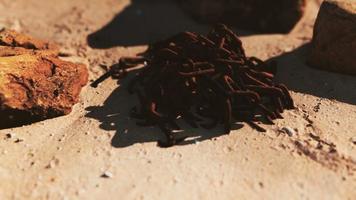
294,72
113,115
143,22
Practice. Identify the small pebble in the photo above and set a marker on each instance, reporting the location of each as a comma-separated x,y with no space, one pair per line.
353,140
18,140
52,164
9,135
290,132
260,184
107,174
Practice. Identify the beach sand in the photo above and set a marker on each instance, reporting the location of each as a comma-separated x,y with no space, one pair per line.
97,152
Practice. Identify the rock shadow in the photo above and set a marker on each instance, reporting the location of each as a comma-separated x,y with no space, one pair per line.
15,118
294,71
144,22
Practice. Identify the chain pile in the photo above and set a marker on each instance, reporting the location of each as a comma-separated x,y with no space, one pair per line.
205,80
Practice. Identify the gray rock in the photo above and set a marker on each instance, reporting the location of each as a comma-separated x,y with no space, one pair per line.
334,40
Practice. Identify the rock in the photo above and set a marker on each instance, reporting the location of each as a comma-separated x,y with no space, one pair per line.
106,174
289,131
18,140
353,140
260,15
12,38
9,135
34,83
334,40
53,163
6,51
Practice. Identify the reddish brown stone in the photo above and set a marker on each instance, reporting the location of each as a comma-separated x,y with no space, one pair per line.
334,39
14,39
260,15
36,84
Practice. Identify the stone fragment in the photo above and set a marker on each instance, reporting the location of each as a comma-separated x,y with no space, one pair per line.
289,131
107,174
334,40
6,51
14,39
260,15
34,83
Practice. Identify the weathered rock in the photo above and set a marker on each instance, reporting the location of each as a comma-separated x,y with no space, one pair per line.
260,15
6,51
14,39
334,39
34,83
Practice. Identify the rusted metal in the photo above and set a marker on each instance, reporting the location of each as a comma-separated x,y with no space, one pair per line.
206,80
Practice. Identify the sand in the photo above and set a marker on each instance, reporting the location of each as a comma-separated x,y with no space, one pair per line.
97,152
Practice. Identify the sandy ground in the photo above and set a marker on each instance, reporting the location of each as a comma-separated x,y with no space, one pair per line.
65,158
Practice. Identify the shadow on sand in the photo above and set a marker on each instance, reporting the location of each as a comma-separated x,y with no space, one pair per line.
114,116
143,22
13,118
299,77
292,71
